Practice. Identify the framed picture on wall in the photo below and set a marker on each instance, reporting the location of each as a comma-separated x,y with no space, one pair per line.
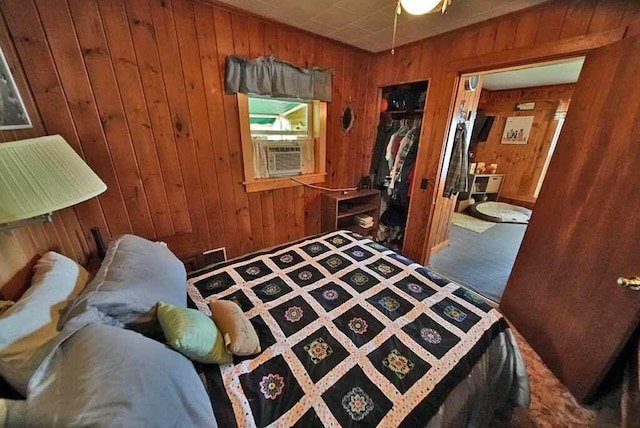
13,114
517,130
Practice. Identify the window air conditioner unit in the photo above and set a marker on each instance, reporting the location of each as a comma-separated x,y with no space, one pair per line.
284,160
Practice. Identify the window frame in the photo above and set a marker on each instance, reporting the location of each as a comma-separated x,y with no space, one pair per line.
318,127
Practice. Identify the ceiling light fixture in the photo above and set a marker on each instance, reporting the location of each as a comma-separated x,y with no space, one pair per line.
419,7
415,7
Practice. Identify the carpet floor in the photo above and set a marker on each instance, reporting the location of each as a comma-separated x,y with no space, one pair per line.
551,403
471,223
480,261
483,262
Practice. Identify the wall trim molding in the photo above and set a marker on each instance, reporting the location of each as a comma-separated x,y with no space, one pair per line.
513,58
452,72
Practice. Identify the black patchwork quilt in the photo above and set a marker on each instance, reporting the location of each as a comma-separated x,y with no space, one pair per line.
352,334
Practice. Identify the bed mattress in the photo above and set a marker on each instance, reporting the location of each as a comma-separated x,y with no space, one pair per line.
354,334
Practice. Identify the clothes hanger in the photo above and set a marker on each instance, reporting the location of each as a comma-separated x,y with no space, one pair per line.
462,114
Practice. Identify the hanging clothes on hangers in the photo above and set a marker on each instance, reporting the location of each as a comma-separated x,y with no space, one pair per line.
457,176
408,142
407,155
394,143
387,154
392,174
400,185
386,128
379,164
394,155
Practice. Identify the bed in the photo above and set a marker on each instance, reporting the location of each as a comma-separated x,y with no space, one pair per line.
351,334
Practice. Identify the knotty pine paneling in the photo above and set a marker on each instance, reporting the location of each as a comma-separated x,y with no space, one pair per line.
137,88
522,164
445,207
19,247
530,33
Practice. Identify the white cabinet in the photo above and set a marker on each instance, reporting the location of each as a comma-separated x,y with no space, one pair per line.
494,184
482,187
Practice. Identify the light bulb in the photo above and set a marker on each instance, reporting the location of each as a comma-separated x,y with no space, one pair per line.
419,7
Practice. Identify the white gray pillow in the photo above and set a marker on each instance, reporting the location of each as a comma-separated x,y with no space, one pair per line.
108,376
134,276
28,325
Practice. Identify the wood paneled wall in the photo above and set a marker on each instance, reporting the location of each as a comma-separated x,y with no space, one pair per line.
522,164
446,206
551,30
136,87
19,247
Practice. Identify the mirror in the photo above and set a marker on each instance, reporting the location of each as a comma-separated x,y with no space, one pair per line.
348,118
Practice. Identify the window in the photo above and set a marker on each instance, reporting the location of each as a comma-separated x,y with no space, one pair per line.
277,120
282,139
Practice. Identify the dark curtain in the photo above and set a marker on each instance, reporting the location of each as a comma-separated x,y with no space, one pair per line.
268,76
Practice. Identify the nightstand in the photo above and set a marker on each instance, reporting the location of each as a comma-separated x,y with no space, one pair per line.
339,210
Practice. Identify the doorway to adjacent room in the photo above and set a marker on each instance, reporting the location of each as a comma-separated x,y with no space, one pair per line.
510,121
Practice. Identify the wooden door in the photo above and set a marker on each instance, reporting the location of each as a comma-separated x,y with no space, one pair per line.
585,230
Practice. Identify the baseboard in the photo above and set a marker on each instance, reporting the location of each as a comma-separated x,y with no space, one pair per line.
440,246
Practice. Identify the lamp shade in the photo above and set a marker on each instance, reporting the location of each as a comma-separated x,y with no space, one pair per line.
42,175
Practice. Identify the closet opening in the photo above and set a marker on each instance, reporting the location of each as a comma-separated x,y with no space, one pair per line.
503,134
394,155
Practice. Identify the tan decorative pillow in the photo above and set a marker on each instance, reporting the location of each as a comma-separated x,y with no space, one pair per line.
239,335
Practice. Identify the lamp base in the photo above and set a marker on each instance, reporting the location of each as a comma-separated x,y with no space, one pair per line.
44,218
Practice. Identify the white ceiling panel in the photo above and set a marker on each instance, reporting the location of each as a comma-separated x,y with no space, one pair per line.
368,24
554,74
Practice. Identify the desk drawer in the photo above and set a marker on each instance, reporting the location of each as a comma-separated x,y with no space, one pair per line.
494,184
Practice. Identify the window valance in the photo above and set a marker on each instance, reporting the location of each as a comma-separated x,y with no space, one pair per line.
266,75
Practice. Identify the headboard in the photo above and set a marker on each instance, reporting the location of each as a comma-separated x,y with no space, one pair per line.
20,249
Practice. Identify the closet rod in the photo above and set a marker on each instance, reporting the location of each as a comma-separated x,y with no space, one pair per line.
405,112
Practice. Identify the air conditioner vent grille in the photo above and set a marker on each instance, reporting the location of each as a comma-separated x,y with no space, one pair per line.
284,160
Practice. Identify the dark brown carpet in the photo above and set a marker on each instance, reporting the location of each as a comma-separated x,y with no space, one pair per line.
551,403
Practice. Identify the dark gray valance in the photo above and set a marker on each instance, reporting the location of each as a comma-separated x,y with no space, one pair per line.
268,76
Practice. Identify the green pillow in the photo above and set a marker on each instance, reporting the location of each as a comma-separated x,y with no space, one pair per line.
193,334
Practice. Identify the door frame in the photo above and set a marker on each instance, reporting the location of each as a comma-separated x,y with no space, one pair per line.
425,129
450,78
